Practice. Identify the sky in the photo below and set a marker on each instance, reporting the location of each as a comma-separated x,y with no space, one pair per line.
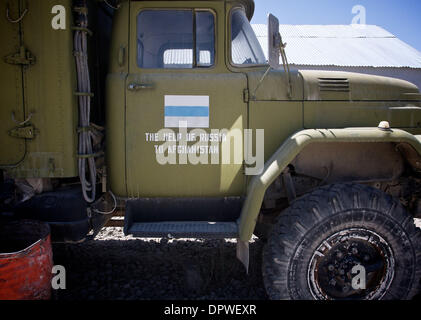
400,17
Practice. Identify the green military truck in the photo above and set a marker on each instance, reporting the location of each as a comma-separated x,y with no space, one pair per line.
170,112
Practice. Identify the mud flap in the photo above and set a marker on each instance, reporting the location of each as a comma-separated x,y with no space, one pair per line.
243,253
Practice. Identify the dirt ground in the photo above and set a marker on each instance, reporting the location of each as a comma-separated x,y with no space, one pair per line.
116,267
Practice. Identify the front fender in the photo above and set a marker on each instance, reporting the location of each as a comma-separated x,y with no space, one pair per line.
293,146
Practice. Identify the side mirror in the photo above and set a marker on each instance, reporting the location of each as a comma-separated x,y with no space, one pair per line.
274,41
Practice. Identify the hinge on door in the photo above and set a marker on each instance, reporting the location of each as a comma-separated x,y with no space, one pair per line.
246,95
23,57
244,166
26,132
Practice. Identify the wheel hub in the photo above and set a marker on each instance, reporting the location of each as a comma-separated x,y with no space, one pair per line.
351,264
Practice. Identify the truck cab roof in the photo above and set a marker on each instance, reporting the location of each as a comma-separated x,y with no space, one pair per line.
248,4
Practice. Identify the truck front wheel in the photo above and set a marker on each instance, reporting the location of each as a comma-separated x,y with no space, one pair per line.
343,241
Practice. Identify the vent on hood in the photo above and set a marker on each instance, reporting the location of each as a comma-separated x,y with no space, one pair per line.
334,84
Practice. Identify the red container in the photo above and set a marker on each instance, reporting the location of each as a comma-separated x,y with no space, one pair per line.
26,261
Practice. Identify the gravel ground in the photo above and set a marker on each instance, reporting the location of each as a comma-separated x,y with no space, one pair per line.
116,267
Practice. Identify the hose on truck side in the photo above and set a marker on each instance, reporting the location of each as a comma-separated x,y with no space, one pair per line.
86,156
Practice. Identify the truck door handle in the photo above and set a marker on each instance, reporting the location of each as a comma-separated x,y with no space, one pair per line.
139,86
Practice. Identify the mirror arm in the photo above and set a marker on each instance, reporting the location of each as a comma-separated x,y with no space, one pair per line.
260,82
286,68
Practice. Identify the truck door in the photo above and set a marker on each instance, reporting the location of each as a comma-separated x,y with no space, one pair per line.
177,75
12,149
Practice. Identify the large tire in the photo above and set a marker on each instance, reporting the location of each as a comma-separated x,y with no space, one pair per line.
318,240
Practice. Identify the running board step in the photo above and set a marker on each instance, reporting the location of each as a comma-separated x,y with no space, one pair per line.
207,230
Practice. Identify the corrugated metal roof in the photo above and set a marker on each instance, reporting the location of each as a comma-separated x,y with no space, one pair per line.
183,58
343,45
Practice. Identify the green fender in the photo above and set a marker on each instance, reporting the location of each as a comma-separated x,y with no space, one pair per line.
292,147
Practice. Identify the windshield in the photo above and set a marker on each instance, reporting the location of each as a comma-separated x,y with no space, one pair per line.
245,48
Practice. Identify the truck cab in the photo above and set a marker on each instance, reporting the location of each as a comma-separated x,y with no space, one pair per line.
204,136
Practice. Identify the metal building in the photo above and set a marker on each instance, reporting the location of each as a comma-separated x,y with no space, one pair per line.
355,48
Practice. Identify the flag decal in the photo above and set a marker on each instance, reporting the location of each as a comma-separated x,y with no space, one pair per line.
192,111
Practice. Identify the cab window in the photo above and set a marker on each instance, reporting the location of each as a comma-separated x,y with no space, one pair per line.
245,48
171,39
